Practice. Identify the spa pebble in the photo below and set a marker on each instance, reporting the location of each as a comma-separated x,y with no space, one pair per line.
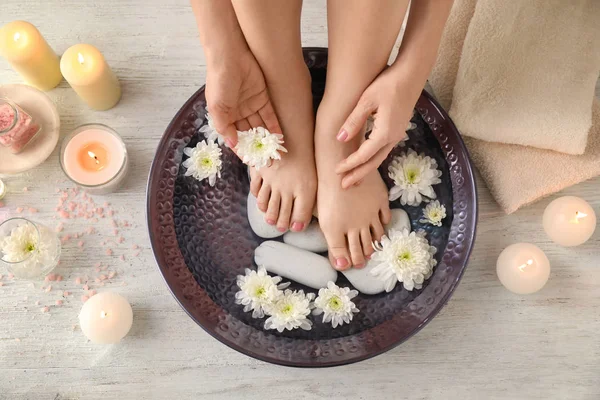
257,221
399,220
311,239
299,265
363,281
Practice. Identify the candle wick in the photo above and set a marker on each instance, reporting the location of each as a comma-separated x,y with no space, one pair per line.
523,266
17,36
103,314
93,155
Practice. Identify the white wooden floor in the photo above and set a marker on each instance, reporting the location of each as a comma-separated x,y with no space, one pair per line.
486,344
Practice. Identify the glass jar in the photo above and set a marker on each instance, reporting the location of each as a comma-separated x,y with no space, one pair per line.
17,127
27,249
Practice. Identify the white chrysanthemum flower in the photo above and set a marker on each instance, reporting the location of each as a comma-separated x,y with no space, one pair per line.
290,311
434,213
258,290
257,147
204,161
335,303
23,244
210,132
414,176
403,257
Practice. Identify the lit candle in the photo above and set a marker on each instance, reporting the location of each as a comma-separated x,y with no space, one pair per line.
523,268
86,70
569,221
94,156
106,318
30,55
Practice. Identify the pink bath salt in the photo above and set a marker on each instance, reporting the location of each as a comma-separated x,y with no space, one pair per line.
45,309
1,284
102,277
19,210
104,268
91,293
114,223
37,303
84,298
80,244
97,269
111,274
57,190
10,275
115,232
33,210
48,289
1,204
1,276
71,206
86,287
94,219
63,214
97,280
109,252
122,258
60,227
50,277
106,204
125,223
78,281
98,264
110,213
137,253
65,293
59,302
135,247
59,278
91,230
57,208
99,210
89,215
121,239
26,189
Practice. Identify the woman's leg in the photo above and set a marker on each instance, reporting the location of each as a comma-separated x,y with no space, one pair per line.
286,191
361,37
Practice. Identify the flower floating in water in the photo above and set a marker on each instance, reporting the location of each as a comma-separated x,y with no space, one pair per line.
204,161
210,132
335,303
258,290
434,213
290,311
403,257
413,175
257,147
23,244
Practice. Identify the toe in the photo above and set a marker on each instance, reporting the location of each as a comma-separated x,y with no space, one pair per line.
338,252
367,242
356,250
285,212
255,185
262,200
301,214
377,230
272,213
385,214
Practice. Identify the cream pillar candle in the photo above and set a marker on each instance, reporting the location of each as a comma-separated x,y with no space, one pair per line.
569,221
30,55
523,268
106,318
86,70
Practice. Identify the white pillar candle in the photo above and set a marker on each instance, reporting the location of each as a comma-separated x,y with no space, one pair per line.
2,189
569,221
523,268
106,318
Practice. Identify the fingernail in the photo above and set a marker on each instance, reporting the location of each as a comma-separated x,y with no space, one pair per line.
359,266
229,143
343,135
297,226
341,262
270,222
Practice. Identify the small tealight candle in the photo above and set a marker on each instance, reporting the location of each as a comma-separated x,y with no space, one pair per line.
569,221
86,70
523,268
94,157
106,318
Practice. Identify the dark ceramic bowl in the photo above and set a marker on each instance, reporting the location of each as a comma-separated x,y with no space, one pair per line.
202,240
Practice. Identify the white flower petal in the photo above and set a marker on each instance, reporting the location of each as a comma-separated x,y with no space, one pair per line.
413,175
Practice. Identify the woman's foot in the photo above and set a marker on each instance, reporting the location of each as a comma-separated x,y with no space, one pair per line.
286,190
350,218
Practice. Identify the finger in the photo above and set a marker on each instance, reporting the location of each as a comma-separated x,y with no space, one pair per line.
267,113
230,135
363,170
255,120
364,153
243,125
356,120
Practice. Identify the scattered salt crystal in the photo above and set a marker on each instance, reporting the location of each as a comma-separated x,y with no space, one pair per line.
137,253
17,339
111,274
19,210
60,227
48,289
59,302
33,210
71,206
25,189
59,278
98,264
37,303
91,230
86,287
25,298
122,258
99,210
97,269
1,284
125,223
114,223
1,276
78,281
102,277
104,268
45,309
64,214
80,244
106,204
109,252
50,277
135,247
115,232
57,208
110,213
65,293
94,219
97,280
84,298
91,293
10,275
121,239
57,190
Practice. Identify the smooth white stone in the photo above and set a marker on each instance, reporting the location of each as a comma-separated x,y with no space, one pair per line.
299,265
363,281
399,220
257,221
311,239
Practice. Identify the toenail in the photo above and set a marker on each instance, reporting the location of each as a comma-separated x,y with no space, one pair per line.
342,136
359,266
271,222
229,143
341,262
281,229
297,226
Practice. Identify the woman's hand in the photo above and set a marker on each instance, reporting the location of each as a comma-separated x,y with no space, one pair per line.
237,96
390,99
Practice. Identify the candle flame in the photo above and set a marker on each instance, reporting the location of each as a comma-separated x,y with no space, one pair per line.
523,266
103,314
579,215
93,155
17,36
80,58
